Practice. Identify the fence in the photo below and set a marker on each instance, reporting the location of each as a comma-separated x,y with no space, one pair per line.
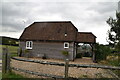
6,66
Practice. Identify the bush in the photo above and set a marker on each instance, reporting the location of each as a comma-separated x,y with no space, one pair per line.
87,54
79,55
101,52
44,57
20,54
66,53
26,51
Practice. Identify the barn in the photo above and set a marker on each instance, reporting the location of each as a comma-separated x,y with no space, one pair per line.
53,39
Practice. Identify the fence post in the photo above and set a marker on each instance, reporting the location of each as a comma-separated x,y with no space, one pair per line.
66,68
8,61
4,60
18,51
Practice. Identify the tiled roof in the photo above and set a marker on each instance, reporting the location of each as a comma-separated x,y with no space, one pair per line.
86,37
56,31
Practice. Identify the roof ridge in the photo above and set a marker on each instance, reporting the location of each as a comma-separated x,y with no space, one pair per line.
50,21
84,32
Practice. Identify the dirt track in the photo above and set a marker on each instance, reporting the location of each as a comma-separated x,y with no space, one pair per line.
59,70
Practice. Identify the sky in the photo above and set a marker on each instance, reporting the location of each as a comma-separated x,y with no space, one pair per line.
86,15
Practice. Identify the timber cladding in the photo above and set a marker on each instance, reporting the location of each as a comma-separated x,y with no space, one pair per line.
48,39
49,49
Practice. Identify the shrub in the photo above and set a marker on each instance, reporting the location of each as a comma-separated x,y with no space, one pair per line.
66,53
101,52
20,54
44,57
79,55
26,51
87,54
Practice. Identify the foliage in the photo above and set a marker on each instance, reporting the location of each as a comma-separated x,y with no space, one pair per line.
84,76
44,57
114,32
26,51
66,53
8,41
113,60
14,55
11,49
87,54
79,55
101,52
20,54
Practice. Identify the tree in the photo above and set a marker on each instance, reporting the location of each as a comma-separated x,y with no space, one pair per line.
114,32
101,52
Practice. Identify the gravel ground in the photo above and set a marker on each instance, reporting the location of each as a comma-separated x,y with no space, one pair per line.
59,70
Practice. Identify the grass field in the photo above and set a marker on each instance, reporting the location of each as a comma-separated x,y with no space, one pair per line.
113,60
11,49
12,75
0,75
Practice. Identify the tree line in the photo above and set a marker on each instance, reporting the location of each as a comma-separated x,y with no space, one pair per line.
8,41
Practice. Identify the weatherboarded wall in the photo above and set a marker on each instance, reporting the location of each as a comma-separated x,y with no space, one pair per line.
49,49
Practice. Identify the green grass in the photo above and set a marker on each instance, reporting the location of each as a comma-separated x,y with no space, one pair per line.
11,75
113,60
83,76
0,75
11,49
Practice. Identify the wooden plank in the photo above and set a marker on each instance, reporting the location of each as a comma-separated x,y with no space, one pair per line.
8,62
94,66
36,73
4,60
39,61
70,65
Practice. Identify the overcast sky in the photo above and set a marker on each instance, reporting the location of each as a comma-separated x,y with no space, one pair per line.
87,15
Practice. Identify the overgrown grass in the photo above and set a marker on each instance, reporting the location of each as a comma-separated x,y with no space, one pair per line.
113,60
12,75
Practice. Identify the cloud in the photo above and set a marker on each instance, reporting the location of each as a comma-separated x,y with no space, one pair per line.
86,16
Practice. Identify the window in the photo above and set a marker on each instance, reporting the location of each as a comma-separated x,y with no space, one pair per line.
65,34
29,44
66,45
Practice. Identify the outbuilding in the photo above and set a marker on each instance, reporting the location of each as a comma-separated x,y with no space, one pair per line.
54,39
